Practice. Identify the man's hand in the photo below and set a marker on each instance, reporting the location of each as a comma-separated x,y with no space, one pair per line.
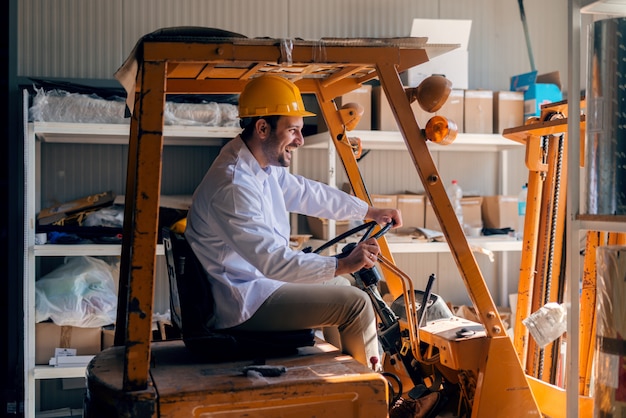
365,254
383,216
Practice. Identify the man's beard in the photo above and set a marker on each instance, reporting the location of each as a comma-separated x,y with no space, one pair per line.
275,156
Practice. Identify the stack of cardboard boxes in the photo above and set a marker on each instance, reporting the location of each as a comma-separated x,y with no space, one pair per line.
52,340
473,111
50,336
494,212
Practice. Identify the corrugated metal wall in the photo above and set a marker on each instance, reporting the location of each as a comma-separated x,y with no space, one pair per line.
91,38
69,171
391,172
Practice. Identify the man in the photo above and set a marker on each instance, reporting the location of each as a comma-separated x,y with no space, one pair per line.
238,226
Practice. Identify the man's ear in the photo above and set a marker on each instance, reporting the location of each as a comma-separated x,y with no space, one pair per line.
262,128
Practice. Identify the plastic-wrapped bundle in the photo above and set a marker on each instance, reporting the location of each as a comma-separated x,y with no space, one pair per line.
230,115
610,356
61,106
606,119
202,114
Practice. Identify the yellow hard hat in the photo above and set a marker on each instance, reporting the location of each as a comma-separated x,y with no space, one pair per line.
270,95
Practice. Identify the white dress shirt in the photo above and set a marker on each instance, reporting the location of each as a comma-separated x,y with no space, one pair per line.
238,226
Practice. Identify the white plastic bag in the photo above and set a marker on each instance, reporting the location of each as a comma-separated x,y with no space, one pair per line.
80,293
548,323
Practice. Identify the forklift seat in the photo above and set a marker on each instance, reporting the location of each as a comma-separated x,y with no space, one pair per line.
192,310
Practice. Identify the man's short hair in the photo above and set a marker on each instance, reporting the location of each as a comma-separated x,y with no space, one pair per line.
248,124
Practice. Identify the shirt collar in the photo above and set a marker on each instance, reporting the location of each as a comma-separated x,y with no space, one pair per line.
260,173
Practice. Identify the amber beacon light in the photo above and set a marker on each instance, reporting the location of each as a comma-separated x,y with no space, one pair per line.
431,94
441,130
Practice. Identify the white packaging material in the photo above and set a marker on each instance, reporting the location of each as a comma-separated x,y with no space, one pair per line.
547,324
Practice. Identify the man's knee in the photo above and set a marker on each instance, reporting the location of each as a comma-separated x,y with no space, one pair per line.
339,281
360,300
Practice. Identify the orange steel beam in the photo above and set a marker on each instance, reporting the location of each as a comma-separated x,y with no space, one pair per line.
335,89
124,279
552,400
588,309
346,155
249,51
330,91
534,364
547,286
616,238
140,231
537,169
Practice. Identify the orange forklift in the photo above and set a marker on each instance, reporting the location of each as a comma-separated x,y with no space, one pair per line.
474,365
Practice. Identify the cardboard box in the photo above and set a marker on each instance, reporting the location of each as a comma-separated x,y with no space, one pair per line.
430,220
452,64
108,337
500,212
384,200
362,96
411,207
538,90
508,110
538,95
319,227
49,336
472,211
383,119
472,214
161,330
453,109
478,111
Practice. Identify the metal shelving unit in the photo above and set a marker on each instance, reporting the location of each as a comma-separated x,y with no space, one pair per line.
76,133
393,141
577,222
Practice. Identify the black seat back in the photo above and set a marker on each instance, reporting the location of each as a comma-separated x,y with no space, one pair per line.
189,287
192,310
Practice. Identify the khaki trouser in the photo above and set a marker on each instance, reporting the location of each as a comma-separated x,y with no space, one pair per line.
313,306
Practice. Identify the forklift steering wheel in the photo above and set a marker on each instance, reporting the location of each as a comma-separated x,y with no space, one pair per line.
368,225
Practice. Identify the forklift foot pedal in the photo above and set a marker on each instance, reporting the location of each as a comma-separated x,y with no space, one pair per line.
264,370
415,408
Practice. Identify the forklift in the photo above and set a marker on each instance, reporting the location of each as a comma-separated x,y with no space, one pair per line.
474,365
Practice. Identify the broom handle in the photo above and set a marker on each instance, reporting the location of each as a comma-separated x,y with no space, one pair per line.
528,45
